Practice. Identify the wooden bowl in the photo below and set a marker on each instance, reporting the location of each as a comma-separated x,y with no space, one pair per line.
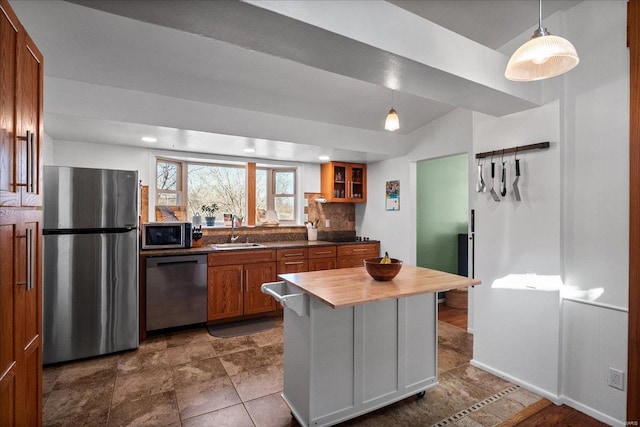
382,272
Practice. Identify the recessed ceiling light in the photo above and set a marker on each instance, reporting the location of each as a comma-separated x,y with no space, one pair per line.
324,158
149,139
249,150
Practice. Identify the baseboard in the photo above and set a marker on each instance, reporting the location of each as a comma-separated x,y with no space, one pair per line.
535,389
558,400
591,412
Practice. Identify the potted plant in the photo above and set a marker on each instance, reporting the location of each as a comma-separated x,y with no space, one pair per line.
209,212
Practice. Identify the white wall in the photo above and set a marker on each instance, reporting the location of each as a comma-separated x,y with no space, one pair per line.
47,151
517,307
596,209
596,163
101,156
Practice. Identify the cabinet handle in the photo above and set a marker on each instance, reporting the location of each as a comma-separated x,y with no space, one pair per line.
246,281
293,262
295,254
31,162
323,252
242,281
360,250
28,162
27,139
30,259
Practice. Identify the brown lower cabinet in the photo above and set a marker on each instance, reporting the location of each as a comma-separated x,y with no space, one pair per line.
353,255
234,279
21,317
322,258
292,260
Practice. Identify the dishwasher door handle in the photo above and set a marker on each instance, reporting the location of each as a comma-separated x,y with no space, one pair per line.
176,262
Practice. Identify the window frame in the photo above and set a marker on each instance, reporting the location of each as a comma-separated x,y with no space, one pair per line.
271,197
180,183
271,171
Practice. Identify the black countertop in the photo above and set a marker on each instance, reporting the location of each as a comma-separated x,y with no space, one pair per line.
206,249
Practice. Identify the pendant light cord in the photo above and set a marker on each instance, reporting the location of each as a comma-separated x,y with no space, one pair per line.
540,17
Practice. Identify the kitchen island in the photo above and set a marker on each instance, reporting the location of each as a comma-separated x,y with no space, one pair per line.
353,344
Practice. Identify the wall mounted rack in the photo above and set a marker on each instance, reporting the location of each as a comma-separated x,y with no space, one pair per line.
519,149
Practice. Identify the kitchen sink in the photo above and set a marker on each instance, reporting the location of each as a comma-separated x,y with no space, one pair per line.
228,246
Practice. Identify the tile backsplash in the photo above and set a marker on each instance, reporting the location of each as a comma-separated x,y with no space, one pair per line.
341,215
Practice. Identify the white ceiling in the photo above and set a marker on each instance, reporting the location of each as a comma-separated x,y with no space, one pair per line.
294,81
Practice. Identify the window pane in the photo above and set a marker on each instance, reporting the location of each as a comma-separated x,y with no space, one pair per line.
167,176
167,199
284,182
284,208
224,185
261,189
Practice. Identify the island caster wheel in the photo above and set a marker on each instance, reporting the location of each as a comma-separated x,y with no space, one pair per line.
421,394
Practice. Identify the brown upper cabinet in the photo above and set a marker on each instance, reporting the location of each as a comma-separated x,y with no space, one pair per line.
344,182
21,83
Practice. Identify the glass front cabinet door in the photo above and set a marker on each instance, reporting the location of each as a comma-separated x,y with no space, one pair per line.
344,182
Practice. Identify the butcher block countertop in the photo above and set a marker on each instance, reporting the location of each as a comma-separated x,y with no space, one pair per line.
347,287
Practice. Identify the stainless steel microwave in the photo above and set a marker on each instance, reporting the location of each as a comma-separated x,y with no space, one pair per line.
166,235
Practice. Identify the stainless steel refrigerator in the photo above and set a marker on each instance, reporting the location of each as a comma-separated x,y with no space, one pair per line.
90,280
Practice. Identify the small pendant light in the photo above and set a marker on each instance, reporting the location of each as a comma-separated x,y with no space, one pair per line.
393,121
541,57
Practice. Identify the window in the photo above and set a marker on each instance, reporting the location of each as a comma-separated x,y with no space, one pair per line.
168,183
276,190
221,184
193,184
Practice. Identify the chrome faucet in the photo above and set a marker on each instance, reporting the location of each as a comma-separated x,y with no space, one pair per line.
233,226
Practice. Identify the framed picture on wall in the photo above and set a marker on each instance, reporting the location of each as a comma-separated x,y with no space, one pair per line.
392,202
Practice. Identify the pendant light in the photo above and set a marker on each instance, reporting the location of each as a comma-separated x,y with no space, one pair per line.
393,121
541,57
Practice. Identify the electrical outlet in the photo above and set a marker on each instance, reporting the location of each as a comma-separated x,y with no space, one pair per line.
616,378
327,223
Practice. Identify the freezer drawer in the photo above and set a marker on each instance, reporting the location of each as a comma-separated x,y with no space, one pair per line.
90,295
176,289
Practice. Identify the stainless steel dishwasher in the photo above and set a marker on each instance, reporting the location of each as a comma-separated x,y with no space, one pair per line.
176,291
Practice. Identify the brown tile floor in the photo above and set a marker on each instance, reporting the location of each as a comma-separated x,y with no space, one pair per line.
193,379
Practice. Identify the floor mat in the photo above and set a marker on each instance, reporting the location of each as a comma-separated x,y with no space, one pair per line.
243,327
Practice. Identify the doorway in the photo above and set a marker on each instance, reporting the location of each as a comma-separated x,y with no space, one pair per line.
442,212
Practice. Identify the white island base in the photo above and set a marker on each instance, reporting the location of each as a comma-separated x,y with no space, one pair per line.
340,363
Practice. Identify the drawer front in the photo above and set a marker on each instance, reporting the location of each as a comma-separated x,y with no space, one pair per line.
242,256
322,252
353,261
293,266
293,253
366,250
316,264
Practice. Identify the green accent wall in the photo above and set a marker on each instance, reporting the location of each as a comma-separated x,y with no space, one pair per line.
442,210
